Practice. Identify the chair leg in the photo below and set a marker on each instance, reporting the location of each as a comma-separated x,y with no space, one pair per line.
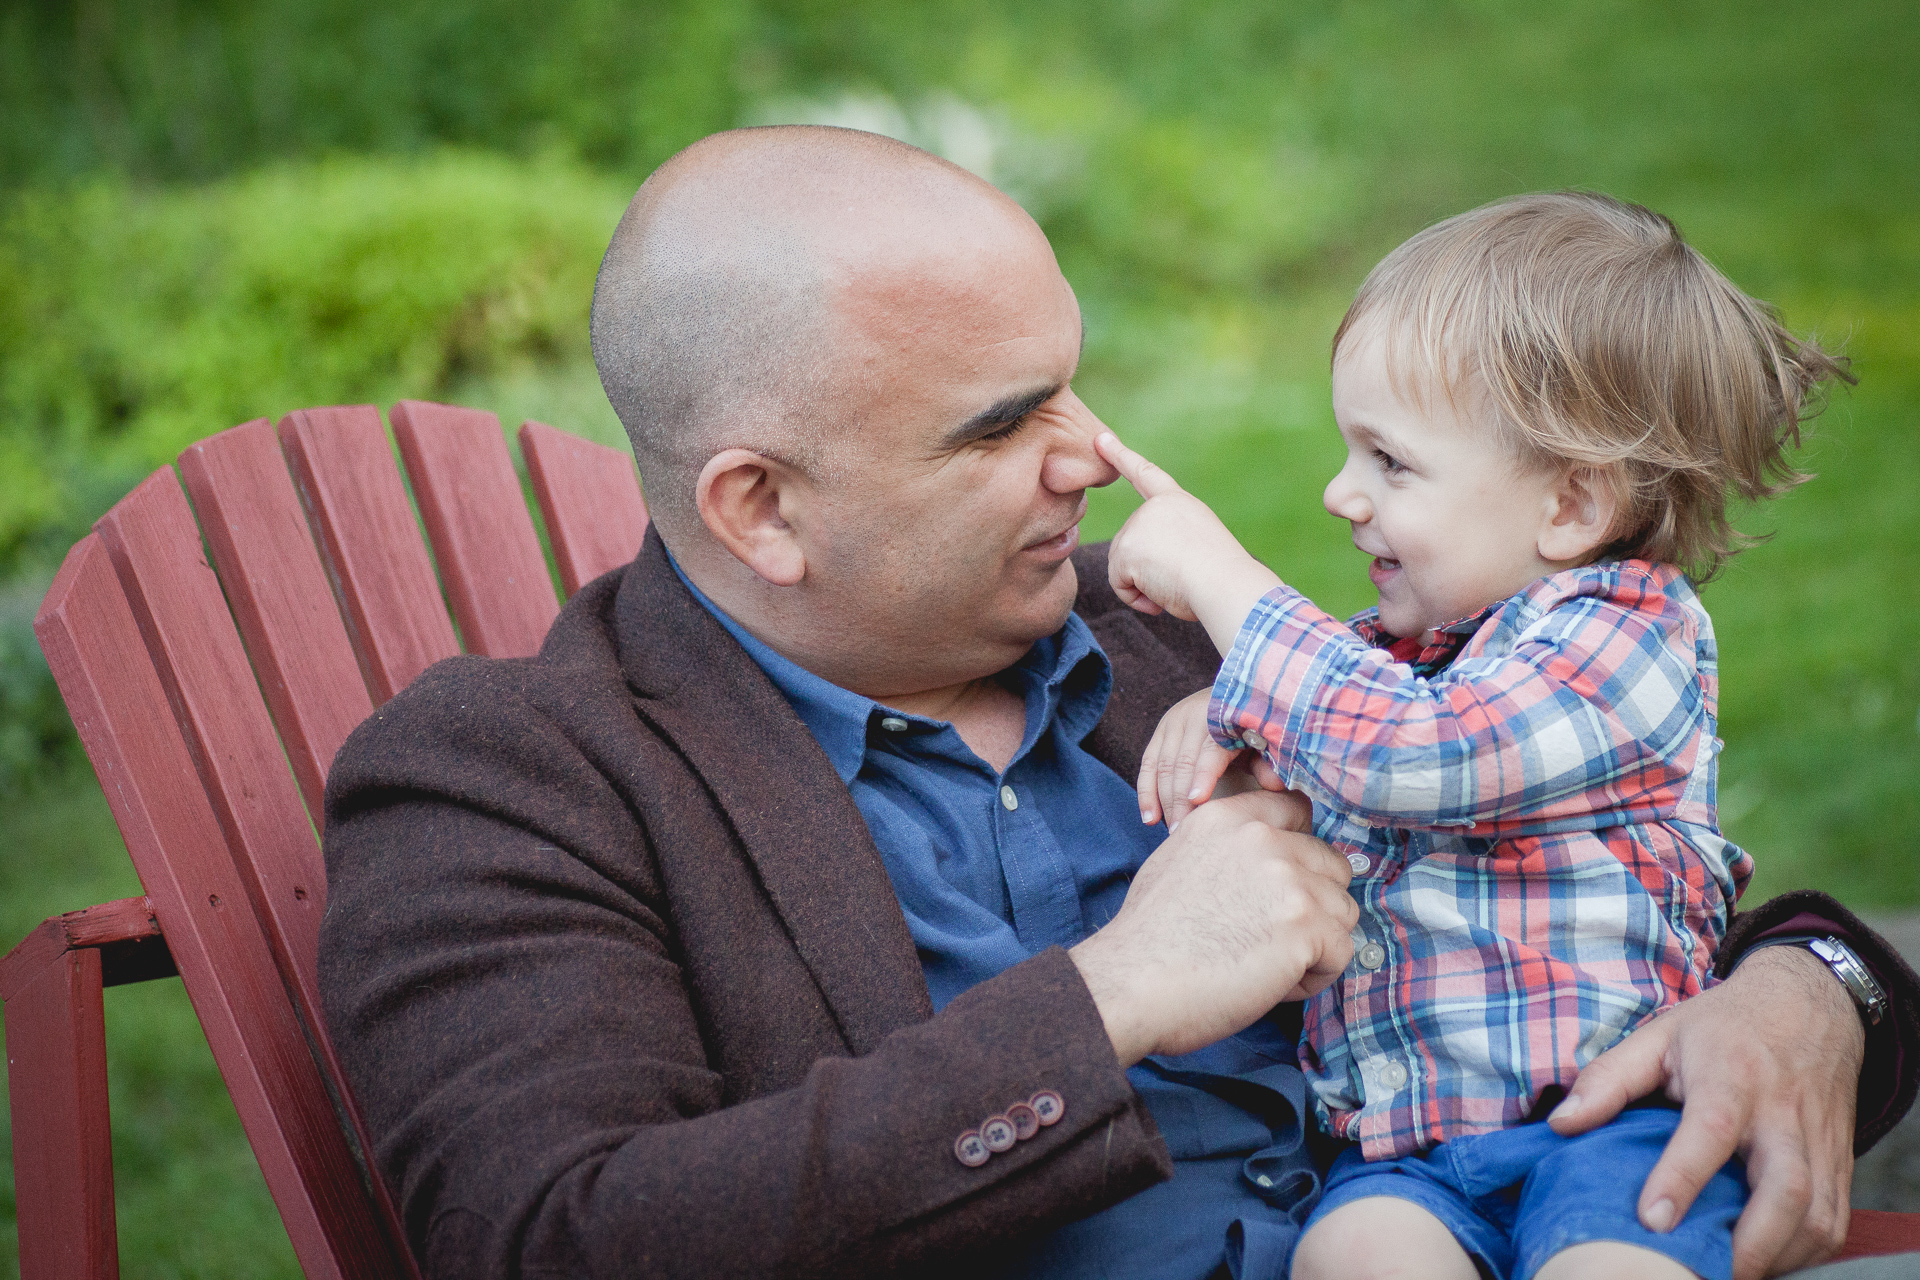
62,1143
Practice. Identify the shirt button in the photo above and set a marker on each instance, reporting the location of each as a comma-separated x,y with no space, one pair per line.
893,724
1008,800
1254,740
1393,1075
1372,956
1359,862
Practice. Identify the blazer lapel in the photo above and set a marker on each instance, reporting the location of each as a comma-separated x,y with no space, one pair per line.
793,816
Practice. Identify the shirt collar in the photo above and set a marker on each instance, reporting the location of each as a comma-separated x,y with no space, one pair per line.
1068,669
1447,640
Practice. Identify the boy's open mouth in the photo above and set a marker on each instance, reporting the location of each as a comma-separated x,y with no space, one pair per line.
1381,569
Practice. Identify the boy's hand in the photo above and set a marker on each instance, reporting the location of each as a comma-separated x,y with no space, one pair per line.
1174,555
1183,767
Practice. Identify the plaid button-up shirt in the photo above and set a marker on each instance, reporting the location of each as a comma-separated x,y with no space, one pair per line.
1528,805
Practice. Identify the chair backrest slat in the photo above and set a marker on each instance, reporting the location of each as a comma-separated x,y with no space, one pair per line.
155,547
483,540
370,544
590,499
177,603
101,662
274,581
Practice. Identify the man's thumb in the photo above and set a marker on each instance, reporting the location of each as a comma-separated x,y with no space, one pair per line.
1625,1073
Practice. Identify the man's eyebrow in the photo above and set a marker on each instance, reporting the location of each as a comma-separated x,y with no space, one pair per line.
1010,409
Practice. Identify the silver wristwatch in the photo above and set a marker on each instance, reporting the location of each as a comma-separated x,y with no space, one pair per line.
1846,966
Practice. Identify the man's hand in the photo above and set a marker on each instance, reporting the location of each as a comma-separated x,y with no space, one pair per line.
1173,555
1766,1064
1235,913
1183,765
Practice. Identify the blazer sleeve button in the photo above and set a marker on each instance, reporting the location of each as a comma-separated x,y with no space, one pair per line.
1048,1106
1026,1121
997,1133
970,1151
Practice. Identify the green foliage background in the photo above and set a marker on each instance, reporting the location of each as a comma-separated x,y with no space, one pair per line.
213,211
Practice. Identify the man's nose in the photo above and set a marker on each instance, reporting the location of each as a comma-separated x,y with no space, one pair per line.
1071,463
1344,498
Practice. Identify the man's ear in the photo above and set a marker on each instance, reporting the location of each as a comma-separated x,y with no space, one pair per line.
745,499
1580,516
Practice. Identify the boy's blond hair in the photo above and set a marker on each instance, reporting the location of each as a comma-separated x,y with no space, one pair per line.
1602,339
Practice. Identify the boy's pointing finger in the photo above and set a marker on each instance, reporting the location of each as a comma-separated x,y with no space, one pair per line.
1143,475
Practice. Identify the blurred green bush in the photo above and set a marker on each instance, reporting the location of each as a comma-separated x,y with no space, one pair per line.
136,321
216,211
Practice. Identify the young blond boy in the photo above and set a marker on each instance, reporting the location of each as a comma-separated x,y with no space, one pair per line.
1546,402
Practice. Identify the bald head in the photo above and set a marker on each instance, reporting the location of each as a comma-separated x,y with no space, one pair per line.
720,316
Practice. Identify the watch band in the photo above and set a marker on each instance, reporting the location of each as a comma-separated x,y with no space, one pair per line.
1846,966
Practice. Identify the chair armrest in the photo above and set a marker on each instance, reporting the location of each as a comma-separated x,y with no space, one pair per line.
124,932
1873,1232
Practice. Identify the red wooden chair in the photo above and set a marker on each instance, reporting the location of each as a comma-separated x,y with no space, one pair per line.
213,657
212,666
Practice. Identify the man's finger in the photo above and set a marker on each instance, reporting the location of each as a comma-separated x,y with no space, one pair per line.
1630,1070
1143,475
1707,1137
1281,811
1775,1213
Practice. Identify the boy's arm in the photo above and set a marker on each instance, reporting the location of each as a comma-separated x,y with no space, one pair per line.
1173,555
1598,707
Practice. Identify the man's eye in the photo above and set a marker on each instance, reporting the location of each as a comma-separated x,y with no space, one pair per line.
1002,433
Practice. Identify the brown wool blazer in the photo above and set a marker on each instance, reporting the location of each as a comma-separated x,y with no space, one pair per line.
623,989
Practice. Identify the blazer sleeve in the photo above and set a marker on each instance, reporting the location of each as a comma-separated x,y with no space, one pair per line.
504,978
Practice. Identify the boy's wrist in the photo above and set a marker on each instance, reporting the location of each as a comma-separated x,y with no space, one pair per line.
1229,595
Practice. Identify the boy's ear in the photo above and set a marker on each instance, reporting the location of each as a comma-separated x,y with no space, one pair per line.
747,501
1580,516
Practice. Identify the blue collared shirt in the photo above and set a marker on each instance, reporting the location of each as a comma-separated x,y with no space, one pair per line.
993,868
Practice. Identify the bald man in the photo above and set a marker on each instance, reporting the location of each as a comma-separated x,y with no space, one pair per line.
790,913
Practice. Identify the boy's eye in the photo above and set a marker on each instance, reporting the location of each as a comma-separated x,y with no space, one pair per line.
1388,463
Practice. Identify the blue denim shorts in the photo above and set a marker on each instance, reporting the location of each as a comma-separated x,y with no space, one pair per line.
1515,1198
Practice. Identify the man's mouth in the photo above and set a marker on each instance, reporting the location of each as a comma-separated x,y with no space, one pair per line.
1060,545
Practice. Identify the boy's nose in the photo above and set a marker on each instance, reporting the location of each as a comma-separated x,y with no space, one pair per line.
1344,499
